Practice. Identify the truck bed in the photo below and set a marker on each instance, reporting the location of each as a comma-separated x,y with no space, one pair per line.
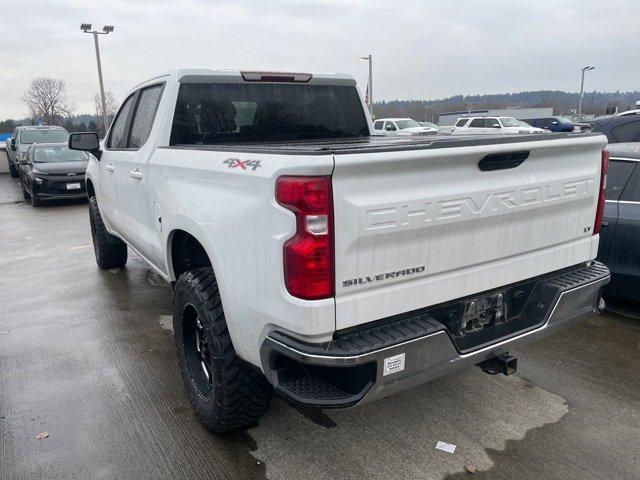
378,144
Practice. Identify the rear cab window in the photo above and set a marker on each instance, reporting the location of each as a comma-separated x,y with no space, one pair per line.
215,113
379,125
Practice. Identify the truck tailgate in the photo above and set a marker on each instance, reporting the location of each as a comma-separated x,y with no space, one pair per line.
420,227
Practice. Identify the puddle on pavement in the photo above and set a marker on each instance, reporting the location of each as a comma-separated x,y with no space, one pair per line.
155,279
396,437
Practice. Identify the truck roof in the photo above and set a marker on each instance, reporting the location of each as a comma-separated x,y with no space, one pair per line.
202,75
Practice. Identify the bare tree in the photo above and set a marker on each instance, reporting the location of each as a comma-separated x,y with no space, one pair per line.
111,107
47,100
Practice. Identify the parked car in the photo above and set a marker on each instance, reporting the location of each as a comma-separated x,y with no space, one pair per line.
533,129
24,136
581,123
333,266
552,124
491,125
620,236
402,126
52,171
624,127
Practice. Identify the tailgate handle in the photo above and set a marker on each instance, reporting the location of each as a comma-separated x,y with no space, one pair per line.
501,161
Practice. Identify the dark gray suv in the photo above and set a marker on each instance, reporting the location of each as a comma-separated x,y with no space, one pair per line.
624,127
619,238
24,136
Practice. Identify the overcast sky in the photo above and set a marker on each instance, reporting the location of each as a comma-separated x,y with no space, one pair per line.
421,49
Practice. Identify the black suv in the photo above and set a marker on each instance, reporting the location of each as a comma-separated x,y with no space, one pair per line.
624,127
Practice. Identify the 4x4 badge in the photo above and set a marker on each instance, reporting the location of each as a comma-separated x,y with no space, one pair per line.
242,164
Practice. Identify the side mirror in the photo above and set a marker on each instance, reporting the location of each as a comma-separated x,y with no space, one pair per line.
554,123
86,142
496,126
13,144
389,128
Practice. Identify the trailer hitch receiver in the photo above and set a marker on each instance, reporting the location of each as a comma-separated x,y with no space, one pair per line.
504,363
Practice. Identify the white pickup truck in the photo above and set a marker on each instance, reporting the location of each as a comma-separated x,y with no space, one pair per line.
335,267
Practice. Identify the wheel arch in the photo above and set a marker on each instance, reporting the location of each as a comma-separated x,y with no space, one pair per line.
186,251
91,191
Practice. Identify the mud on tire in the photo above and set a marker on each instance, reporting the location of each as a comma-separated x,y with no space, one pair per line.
111,252
226,392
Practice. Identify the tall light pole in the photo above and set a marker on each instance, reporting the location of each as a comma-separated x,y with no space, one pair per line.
584,69
86,28
369,58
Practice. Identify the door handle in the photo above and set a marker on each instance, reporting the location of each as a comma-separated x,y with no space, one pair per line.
109,168
137,174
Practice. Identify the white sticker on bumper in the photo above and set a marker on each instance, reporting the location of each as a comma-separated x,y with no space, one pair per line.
393,364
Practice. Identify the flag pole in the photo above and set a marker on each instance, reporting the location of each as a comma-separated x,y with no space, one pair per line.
369,58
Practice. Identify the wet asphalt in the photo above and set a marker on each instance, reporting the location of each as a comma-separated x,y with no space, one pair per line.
88,357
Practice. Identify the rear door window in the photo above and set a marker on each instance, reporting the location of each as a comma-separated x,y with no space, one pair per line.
118,137
214,113
627,132
379,125
461,122
631,191
477,123
491,123
144,115
617,178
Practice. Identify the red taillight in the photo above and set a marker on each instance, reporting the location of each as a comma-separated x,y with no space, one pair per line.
308,255
601,198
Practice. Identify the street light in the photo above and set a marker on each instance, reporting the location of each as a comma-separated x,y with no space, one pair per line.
369,58
86,28
584,69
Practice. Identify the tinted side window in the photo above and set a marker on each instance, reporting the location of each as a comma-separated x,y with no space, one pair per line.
632,190
390,126
461,122
379,125
491,122
143,118
627,132
117,138
619,172
477,123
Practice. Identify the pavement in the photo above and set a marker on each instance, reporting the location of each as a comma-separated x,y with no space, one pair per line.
87,356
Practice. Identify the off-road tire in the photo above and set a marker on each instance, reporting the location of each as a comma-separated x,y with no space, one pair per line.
111,252
238,393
